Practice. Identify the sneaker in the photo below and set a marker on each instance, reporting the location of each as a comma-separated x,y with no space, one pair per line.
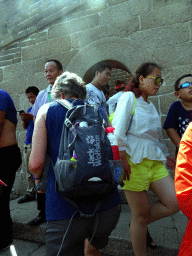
26,198
38,220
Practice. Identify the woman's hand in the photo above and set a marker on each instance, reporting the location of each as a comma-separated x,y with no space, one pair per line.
125,164
171,163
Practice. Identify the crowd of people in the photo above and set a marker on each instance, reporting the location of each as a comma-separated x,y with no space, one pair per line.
142,151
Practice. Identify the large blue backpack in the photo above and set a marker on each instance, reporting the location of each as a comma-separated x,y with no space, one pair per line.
93,176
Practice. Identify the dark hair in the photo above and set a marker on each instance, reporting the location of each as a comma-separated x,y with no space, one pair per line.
100,66
144,70
32,89
119,83
58,64
178,81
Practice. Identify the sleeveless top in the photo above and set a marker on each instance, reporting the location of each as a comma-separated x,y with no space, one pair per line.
58,208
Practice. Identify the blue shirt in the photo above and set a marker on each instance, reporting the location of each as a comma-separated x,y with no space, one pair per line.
58,208
178,118
43,97
7,105
30,129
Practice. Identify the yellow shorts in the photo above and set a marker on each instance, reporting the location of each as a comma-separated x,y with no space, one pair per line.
143,174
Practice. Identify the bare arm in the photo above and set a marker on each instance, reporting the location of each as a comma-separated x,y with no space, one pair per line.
39,144
174,136
125,164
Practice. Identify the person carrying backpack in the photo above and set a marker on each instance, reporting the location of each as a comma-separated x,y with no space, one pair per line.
64,226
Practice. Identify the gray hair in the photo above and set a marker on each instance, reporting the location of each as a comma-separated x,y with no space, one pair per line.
69,84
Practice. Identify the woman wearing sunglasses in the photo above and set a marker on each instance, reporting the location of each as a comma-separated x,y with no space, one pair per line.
142,153
180,112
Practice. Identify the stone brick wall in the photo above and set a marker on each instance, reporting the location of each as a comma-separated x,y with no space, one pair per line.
82,33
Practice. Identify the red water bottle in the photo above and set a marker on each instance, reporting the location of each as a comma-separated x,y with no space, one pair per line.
113,141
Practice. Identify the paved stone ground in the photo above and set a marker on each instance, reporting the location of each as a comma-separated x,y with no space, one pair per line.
29,241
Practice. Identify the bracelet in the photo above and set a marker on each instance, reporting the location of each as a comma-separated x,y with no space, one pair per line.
36,178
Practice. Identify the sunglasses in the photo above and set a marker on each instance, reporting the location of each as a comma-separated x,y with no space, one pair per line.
185,85
158,80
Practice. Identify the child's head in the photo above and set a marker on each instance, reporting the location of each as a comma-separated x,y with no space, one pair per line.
183,87
31,93
119,85
147,80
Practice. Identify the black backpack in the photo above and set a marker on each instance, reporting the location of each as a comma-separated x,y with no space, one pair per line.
93,176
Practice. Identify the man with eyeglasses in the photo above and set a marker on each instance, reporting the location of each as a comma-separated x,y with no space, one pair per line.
180,112
53,69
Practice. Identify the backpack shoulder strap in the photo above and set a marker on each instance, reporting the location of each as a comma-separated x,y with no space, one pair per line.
65,103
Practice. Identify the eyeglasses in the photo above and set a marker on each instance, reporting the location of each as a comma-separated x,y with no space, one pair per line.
158,80
185,85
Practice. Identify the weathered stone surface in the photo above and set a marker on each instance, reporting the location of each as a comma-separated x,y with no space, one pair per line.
120,28
124,11
20,139
15,98
163,37
16,85
51,47
64,58
165,16
115,13
154,100
7,57
23,102
26,43
1,75
166,101
171,147
171,74
158,4
38,80
114,48
174,55
19,70
73,26
163,118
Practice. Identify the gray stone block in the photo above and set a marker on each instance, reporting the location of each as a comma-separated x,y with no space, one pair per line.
19,70
164,36
63,57
26,43
38,80
166,16
171,56
171,74
7,57
115,13
166,101
5,63
1,75
117,29
16,85
16,60
51,47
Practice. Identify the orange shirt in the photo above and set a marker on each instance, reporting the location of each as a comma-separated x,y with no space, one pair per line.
183,187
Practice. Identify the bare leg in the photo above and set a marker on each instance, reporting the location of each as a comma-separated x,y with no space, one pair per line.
92,251
140,209
167,203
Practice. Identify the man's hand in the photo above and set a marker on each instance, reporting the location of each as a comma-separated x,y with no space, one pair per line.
125,164
171,163
26,117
